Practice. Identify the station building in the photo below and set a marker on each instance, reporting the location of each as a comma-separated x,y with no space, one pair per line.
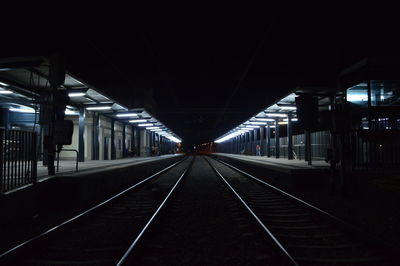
355,125
103,129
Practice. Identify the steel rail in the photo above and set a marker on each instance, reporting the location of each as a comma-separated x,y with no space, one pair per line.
263,226
289,195
25,243
129,251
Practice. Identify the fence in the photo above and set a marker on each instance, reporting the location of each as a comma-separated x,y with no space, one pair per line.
18,160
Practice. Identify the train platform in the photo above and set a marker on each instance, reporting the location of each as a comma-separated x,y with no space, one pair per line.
68,167
282,172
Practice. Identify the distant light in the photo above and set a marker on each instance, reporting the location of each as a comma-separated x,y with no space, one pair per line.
22,110
354,97
152,127
6,92
138,121
275,115
76,94
127,115
98,108
145,125
250,126
156,130
265,119
271,126
283,123
3,84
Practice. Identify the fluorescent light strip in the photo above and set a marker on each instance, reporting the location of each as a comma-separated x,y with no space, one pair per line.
127,115
288,107
3,84
6,92
22,110
138,121
265,119
76,94
257,123
276,115
98,108
145,125
152,128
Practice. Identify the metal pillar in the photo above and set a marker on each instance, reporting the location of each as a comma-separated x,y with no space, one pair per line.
277,145
254,141
81,147
268,136
262,145
95,137
132,147
123,141
289,136
308,155
113,151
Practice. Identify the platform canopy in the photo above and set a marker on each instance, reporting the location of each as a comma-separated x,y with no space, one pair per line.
24,80
281,111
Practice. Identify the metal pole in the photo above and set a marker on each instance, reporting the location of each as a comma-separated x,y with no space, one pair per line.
289,136
277,146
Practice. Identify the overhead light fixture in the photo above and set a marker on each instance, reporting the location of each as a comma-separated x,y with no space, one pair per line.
6,92
95,108
3,84
283,123
23,110
156,130
76,94
286,107
70,112
152,128
138,121
293,119
127,115
275,115
250,126
257,123
265,119
145,125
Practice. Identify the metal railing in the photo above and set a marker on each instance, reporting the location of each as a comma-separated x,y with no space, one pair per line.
18,159
76,162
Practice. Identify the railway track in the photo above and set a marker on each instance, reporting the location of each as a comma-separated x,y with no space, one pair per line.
304,233
104,233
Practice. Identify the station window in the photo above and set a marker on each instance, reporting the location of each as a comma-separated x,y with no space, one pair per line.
385,92
358,94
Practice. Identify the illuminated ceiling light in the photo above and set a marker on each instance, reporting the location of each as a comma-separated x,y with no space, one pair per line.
174,139
145,125
138,121
156,130
283,123
3,84
271,126
23,110
152,127
127,115
70,112
293,119
250,126
265,119
76,94
257,123
95,108
275,115
285,107
6,92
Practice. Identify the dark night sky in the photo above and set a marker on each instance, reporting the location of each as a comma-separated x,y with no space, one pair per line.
210,66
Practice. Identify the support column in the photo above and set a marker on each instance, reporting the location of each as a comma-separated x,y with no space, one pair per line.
277,144
289,136
254,141
81,141
308,155
95,137
268,137
123,140
262,144
132,147
113,151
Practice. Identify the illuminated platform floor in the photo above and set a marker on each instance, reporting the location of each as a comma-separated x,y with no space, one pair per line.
69,166
279,163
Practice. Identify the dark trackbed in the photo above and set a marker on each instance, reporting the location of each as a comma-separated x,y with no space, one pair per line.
201,212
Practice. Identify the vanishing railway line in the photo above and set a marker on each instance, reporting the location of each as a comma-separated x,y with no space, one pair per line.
192,213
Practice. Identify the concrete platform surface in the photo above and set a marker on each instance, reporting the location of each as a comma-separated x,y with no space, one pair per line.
278,163
69,167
